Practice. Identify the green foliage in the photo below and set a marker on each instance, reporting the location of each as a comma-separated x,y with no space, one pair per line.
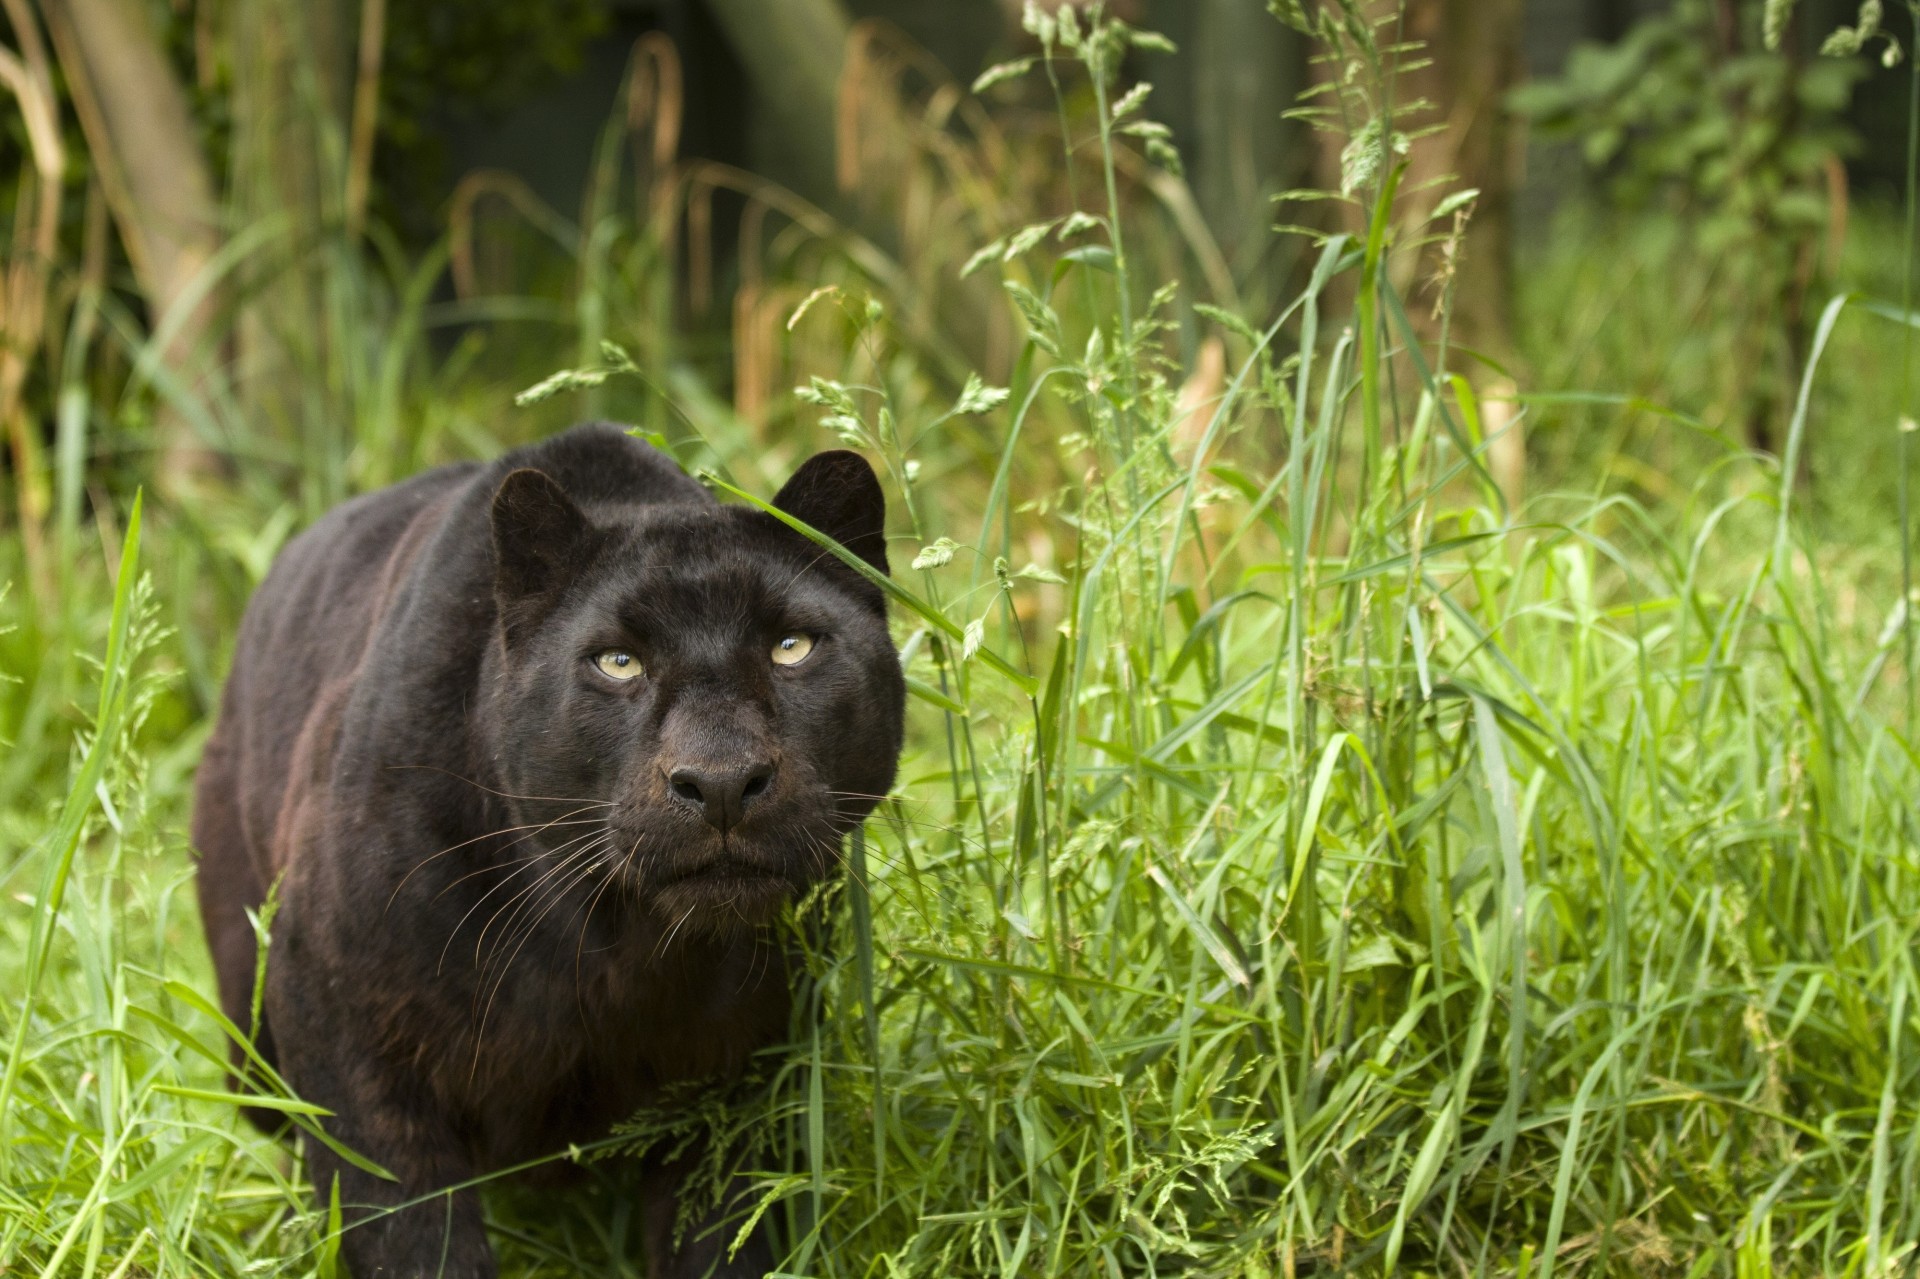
445,55
448,62
1845,41
1357,100
1627,303
1742,135
1302,865
1691,114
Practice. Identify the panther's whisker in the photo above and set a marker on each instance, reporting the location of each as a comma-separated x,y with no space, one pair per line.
549,799
514,861
521,860
586,923
665,940
539,896
525,935
762,956
525,862
554,863
525,895
531,861
535,827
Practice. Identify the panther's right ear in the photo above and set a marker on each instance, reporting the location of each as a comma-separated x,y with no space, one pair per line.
837,493
540,540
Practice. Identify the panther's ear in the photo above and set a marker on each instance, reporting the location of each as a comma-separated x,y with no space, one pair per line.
836,492
540,539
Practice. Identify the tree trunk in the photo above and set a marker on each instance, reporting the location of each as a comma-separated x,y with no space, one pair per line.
146,150
292,89
1476,58
28,76
1475,46
1247,69
792,50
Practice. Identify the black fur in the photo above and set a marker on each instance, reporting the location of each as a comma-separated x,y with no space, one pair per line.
504,925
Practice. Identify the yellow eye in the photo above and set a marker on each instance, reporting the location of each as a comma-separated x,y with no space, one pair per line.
792,649
617,663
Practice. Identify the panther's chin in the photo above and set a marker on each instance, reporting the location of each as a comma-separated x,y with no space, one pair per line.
722,896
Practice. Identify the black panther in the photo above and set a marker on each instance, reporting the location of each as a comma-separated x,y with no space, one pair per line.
534,751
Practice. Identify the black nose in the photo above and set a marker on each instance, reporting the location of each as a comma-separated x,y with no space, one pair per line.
720,792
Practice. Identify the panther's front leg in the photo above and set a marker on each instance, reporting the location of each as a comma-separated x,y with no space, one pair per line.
700,1250
412,1226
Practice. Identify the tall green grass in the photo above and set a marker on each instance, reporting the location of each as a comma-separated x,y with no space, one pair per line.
1302,864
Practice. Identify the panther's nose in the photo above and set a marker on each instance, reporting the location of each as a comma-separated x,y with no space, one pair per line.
720,791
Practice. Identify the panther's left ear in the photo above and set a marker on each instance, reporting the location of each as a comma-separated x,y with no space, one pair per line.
837,493
540,540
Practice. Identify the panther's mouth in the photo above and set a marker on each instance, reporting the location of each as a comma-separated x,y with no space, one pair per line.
726,869
722,893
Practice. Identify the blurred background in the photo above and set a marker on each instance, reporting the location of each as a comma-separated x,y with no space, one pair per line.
262,255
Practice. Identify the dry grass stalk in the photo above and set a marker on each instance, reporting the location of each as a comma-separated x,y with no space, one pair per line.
146,153
366,112
28,76
464,223
1506,440
656,107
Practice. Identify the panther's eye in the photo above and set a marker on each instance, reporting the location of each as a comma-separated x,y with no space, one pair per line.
792,649
617,663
